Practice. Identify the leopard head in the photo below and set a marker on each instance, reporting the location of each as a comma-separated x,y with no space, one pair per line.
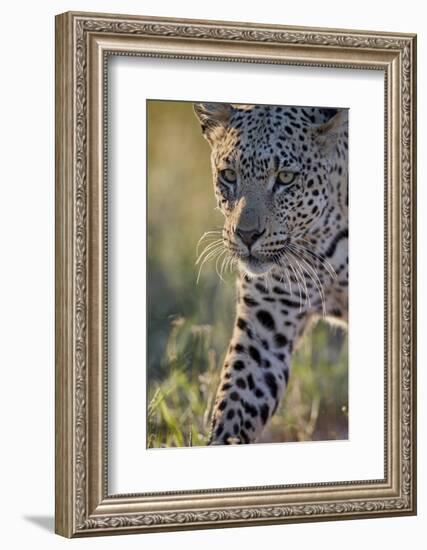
270,167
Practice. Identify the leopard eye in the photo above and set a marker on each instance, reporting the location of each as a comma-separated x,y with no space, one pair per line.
228,175
285,178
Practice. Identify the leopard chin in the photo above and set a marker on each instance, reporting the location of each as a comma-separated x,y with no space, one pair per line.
253,266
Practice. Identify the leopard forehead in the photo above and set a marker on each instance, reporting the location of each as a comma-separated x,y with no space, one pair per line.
259,140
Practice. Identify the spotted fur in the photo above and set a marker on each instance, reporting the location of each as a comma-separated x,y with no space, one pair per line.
281,181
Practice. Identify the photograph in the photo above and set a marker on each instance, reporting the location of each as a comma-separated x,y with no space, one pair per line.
247,273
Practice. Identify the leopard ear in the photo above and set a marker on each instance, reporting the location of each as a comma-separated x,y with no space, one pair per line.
214,118
328,134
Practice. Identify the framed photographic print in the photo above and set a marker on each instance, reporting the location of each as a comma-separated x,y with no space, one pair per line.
235,274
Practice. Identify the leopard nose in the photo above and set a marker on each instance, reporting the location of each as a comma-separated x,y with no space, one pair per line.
249,237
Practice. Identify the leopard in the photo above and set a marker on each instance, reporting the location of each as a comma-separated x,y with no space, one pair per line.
280,177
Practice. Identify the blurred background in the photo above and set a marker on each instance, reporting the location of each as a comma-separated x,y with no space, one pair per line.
190,323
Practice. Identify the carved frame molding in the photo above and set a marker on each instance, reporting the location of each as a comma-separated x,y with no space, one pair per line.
83,43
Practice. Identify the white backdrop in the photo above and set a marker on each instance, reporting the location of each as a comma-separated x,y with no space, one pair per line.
133,468
27,245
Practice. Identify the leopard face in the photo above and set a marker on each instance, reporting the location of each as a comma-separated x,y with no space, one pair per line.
271,169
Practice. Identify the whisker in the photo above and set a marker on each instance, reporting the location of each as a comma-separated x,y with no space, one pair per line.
208,235
224,251
309,264
209,248
286,273
329,268
316,281
210,256
230,264
320,257
226,263
214,249
289,280
207,240
268,281
223,265
303,280
296,279
206,245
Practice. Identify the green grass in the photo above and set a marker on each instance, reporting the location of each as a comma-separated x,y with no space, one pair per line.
180,404
189,324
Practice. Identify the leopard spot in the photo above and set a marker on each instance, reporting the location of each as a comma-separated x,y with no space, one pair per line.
254,353
222,405
230,414
271,383
280,340
266,319
241,324
264,413
240,383
250,302
238,365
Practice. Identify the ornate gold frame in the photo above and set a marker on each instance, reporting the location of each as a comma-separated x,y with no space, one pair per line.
83,42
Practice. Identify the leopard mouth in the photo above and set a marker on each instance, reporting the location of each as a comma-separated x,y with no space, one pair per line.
259,264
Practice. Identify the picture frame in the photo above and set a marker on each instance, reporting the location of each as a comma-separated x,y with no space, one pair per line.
84,505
